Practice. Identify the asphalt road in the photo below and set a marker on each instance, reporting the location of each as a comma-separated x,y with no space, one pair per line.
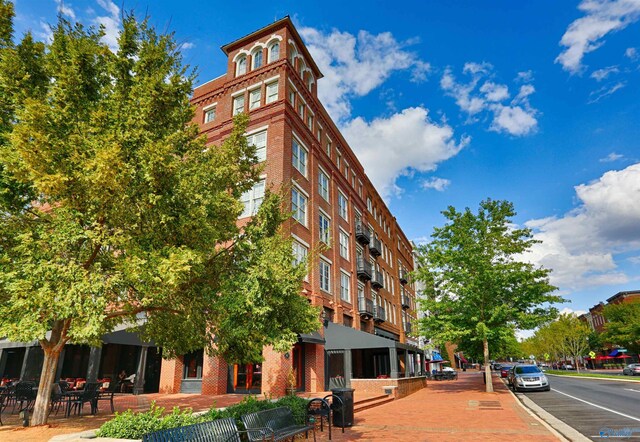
593,405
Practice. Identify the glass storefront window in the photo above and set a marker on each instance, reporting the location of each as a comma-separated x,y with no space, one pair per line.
193,365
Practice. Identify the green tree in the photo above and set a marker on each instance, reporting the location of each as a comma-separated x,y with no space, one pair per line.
478,290
113,209
565,337
623,325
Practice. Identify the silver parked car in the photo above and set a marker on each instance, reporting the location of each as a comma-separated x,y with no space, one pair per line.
528,377
631,370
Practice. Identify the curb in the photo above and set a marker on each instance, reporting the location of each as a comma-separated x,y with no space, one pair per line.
559,429
633,381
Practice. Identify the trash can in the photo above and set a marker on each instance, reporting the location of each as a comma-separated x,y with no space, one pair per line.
346,395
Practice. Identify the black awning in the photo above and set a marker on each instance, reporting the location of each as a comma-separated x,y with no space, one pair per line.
5,343
340,337
311,338
125,337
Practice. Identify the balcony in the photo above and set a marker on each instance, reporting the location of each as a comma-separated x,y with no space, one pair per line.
379,314
375,247
364,270
403,276
376,281
406,301
407,328
365,307
362,234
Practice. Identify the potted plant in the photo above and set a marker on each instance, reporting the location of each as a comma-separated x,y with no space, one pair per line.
291,382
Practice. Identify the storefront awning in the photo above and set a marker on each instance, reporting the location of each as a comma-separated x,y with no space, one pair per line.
311,338
339,337
125,337
614,353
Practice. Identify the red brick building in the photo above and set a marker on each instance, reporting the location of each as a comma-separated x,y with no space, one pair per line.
360,280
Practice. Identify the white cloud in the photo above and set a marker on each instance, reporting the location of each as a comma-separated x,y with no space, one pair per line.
65,8
586,34
405,142
439,184
603,73
611,158
515,117
524,77
111,23
570,311
605,91
631,54
187,46
355,65
581,246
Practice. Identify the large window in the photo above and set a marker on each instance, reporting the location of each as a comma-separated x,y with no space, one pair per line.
192,365
238,104
325,227
299,157
325,276
345,287
323,185
300,253
254,98
299,206
342,205
257,58
344,244
274,52
209,114
272,92
259,140
241,66
252,199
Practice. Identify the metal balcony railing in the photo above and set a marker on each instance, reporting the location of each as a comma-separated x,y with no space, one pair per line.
365,307
375,247
403,276
376,281
379,314
362,233
406,301
363,269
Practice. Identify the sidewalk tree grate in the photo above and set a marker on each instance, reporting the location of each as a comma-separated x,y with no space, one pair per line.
490,405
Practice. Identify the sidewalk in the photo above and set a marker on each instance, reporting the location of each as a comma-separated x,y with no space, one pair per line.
457,411
449,411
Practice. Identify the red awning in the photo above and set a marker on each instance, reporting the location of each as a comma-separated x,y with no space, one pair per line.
600,358
462,359
623,356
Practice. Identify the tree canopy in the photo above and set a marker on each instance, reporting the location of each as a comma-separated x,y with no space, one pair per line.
478,288
113,209
623,325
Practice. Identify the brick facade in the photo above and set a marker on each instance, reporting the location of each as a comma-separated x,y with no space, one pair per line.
376,387
295,117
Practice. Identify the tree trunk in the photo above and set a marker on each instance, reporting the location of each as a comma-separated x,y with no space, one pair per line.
51,348
487,366
47,378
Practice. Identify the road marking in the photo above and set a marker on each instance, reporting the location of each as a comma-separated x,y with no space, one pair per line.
597,406
631,389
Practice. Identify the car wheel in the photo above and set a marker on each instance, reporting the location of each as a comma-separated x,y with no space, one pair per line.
547,389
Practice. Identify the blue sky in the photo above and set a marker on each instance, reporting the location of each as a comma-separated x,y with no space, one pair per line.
449,103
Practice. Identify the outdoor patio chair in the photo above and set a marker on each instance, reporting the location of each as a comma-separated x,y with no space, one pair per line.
89,394
57,398
107,395
25,393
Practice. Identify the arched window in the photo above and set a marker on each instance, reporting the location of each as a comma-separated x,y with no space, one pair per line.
292,54
241,66
274,52
257,58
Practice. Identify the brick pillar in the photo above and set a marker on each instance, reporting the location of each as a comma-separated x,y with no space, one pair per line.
314,367
170,376
214,375
275,369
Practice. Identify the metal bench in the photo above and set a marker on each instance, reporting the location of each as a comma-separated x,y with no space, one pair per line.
274,424
219,430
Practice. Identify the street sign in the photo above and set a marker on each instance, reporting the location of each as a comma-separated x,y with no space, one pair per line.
532,357
592,354
546,356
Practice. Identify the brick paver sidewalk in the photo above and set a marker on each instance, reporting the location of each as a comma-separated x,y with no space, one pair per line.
457,410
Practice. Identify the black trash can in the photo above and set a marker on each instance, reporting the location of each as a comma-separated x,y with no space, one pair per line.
346,394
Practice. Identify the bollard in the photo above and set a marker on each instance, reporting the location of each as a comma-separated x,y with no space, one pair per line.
24,415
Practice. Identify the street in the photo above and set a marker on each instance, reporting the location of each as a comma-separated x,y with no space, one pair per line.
591,405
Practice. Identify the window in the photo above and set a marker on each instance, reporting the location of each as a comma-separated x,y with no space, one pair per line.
299,157
325,228
209,114
192,365
319,134
346,170
254,98
345,287
369,207
238,104
241,66
301,110
329,149
299,206
344,245
323,185
342,205
257,58
338,158
325,276
272,92
252,199
310,122
274,52
292,97
300,253
259,140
